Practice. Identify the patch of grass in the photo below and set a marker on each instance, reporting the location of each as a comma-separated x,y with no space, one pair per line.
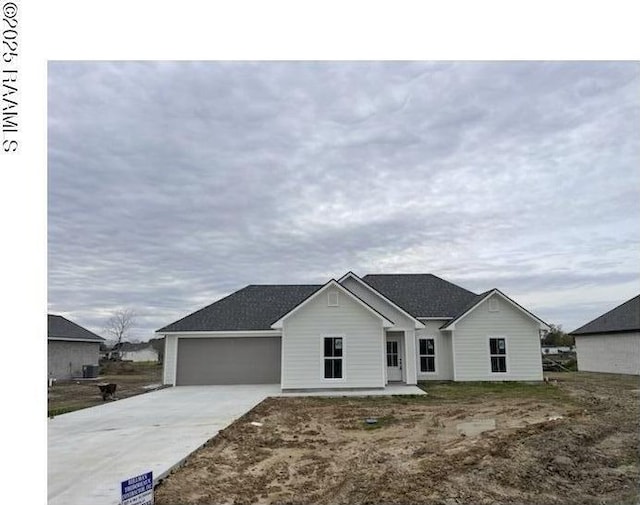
70,395
597,378
66,409
478,391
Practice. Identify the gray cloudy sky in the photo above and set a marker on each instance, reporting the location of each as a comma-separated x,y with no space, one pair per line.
173,184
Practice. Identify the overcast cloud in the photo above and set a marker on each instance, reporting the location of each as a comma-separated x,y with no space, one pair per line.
173,184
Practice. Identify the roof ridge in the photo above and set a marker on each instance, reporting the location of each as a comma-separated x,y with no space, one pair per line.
312,284
402,273
424,275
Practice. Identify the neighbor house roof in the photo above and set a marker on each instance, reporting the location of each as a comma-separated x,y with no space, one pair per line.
133,346
255,307
623,318
422,295
61,328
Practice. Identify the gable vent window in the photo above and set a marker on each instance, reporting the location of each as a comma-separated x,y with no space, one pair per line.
332,299
493,305
498,353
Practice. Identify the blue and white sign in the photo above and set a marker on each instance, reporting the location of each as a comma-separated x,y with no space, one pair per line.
138,490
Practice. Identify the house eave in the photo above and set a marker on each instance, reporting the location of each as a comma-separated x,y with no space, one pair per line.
67,339
223,333
605,332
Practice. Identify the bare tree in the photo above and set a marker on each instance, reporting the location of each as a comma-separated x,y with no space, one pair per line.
119,324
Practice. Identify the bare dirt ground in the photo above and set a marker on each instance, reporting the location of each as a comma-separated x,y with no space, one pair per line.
315,450
131,379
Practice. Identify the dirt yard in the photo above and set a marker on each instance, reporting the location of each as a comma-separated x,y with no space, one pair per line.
131,379
571,442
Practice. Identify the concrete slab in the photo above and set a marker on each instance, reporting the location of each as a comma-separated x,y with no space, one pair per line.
390,390
91,451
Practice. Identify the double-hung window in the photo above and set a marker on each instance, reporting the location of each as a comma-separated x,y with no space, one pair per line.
427,352
498,354
333,357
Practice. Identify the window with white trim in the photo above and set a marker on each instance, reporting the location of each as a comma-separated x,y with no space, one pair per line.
333,357
498,355
493,305
332,298
427,353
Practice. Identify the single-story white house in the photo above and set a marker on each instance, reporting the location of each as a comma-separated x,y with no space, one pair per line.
70,347
355,333
138,351
557,349
611,343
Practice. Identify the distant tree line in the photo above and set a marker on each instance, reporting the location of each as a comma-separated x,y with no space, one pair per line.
556,337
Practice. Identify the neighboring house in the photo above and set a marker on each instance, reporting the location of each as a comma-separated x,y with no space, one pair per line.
355,333
611,342
70,347
137,352
552,349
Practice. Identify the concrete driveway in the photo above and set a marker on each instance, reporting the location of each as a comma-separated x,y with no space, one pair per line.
91,451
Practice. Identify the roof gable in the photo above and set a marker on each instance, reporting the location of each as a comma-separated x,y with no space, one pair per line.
254,307
351,275
623,318
450,325
422,295
335,284
60,328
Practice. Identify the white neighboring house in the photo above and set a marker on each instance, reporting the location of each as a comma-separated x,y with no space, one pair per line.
611,343
554,349
143,351
355,333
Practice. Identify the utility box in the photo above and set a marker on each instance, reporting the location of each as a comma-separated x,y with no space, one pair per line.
90,371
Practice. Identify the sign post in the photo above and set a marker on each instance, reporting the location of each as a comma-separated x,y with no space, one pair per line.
137,490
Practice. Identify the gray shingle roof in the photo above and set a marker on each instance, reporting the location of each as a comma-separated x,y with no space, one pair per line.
60,327
623,318
422,295
255,307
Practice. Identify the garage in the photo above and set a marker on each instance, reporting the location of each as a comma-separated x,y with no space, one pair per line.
234,360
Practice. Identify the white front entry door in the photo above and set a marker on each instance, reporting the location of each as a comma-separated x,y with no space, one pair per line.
394,359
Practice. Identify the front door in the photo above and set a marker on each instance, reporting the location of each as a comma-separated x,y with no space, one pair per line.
394,359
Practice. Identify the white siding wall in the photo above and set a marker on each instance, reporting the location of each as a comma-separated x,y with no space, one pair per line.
444,360
302,351
471,344
170,357
616,353
401,323
141,355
